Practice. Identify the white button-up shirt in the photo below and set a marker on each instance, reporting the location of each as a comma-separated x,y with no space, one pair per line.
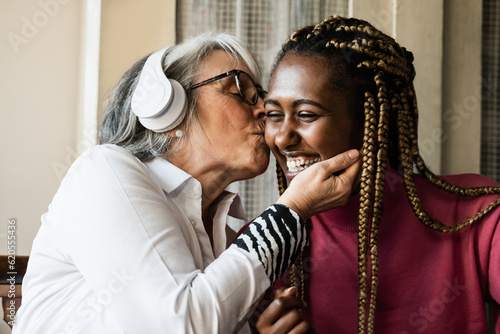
123,249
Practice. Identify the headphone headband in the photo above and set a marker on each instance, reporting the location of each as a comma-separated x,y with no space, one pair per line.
158,101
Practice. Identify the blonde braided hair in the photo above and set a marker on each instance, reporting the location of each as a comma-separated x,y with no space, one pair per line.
384,72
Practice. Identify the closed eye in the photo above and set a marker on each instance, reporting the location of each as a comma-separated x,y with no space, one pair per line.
308,116
274,115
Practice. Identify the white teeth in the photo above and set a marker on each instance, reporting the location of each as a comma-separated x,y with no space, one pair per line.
300,164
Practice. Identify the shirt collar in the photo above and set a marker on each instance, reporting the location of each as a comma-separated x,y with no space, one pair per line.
169,176
235,206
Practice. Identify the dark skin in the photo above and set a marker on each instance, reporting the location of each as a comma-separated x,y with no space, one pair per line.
306,116
283,314
308,119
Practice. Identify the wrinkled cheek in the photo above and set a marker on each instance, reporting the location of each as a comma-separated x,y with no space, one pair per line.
262,150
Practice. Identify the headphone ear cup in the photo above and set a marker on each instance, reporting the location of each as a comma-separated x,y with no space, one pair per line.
173,113
157,101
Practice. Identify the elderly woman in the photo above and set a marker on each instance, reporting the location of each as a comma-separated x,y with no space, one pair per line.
135,238
408,253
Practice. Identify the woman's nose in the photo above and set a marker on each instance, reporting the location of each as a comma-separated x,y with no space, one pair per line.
286,136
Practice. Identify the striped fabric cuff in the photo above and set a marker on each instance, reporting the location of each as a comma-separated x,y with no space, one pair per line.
276,237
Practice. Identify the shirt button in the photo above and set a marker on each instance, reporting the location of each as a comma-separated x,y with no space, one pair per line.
193,222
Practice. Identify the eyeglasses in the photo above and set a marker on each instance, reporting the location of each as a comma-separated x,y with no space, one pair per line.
249,91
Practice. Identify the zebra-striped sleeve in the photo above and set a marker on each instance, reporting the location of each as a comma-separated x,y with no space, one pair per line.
276,237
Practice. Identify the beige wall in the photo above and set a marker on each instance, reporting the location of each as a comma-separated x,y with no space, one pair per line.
39,64
462,86
38,91
419,29
130,29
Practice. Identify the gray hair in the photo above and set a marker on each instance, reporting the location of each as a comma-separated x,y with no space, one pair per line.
120,126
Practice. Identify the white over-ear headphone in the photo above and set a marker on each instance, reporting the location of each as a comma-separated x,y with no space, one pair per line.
158,101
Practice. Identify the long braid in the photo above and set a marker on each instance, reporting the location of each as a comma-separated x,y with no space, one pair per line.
365,207
382,154
281,179
296,270
390,134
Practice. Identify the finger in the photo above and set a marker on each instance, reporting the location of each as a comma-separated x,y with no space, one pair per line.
292,291
357,168
341,161
285,303
352,174
278,307
303,327
288,321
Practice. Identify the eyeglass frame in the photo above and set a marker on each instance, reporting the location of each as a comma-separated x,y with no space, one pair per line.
258,88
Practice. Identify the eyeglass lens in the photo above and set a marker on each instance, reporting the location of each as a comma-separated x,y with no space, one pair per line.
247,87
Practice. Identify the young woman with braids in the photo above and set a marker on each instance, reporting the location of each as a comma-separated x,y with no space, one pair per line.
427,248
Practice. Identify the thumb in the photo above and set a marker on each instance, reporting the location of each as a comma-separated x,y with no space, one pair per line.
341,161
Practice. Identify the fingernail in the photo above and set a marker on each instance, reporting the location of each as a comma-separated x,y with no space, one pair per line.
353,154
290,289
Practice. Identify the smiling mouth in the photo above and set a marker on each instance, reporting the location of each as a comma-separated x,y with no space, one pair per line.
298,164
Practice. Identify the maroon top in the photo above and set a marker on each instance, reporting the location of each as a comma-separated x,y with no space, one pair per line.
429,282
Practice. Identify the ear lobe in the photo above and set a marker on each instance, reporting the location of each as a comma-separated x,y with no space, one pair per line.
158,101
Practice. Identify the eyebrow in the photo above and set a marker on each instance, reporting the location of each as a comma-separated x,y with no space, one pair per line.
273,102
296,103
